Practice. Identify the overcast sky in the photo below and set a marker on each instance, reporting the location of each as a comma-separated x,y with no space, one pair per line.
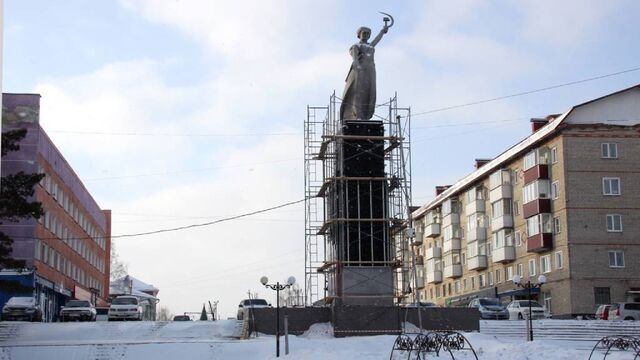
177,112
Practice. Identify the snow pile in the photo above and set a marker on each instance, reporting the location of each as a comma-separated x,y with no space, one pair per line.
319,331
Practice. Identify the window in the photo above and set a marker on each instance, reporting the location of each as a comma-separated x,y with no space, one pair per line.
555,190
36,254
498,273
609,151
509,275
518,238
502,238
559,260
456,286
516,208
530,160
554,155
540,223
532,267
602,295
556,225
611,186
501,208
437,291
546,299
539,189
545,264
473,282
490,278
514,176
498,178
616,259
614,223
481,280
520,270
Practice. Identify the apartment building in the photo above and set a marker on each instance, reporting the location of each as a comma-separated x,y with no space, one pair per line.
67,251
564,202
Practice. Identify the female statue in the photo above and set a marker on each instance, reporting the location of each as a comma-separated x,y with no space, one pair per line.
359,97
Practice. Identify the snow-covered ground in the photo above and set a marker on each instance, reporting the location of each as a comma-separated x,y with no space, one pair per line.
212,340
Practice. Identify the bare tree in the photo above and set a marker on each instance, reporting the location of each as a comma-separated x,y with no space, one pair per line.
119,269
164,314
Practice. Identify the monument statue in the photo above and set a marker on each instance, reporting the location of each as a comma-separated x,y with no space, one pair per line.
359,97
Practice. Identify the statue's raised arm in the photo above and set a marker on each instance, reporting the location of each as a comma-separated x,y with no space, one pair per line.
384,30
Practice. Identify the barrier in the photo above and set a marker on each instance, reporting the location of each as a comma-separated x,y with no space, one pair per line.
418,346
617,343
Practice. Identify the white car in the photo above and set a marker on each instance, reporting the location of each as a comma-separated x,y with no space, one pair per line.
248,304
519,309
78,310
125,307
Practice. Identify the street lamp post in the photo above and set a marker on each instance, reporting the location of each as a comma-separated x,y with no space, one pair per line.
528,286
277,287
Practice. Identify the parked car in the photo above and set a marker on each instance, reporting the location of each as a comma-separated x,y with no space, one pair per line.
624,311
249,304
22,308
181,318
423,304
602,313
490,308
125,307
519,309
78,310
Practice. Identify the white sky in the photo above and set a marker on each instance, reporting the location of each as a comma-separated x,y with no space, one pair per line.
183,78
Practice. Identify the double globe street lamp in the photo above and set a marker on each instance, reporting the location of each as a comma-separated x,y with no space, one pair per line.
277,287
517,279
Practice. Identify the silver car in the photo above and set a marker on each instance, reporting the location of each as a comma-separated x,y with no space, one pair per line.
624,311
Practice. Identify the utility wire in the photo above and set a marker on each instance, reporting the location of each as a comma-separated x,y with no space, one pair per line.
192,226
528,92
169,134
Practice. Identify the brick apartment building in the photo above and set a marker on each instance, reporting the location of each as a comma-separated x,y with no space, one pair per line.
564,202
67,251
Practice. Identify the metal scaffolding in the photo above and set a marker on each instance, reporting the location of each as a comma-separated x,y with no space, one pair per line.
329,244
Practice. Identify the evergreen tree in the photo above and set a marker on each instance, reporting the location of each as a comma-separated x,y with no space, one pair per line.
15,192
203,315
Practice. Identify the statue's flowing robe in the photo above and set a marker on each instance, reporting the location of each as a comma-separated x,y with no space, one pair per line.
359,97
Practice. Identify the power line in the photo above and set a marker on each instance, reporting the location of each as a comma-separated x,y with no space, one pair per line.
528,92
191,226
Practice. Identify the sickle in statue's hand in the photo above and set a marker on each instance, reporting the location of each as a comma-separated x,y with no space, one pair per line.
387,19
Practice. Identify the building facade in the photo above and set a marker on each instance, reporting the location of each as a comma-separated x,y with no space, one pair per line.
67,251
564,202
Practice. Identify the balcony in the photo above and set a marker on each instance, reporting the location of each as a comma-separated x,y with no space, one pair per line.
475,207
434,277
434,253
453,271
477,262
540,242
417,240
540,171
504,254
453,244
479,233
420,282
504,221
503,191
536,207
432,230
451,219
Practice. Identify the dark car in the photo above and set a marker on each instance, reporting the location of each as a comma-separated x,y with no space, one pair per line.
490,308
181,318
78,310
22,308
